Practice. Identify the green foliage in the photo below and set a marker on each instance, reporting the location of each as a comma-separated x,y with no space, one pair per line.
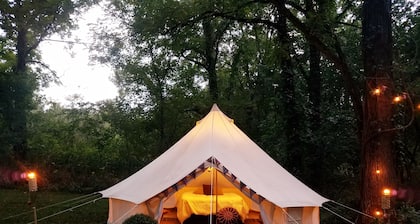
66,142
24,24
40,18
140,219
15,100
407,214
161,69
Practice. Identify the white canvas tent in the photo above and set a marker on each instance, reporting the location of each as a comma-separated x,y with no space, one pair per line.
218,153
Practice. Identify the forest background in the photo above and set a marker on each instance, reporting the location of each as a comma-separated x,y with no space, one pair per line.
290,73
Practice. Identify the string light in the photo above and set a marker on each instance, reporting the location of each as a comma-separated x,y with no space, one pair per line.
376,91
386,191
31,175
378,169
397,99
377,213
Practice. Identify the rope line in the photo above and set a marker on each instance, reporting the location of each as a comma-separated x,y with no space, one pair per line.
125,214
65,210
78,199
338,215
290,216
71,201
354,210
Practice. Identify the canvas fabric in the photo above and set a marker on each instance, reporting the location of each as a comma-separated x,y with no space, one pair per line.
241,164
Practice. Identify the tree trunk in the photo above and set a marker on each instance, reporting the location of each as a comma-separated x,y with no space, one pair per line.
19,95
314,155
294,160
211,58
377,165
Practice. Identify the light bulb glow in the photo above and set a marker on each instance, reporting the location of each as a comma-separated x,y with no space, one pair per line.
386,192
376,91
31,175
377,213
379,90
397,99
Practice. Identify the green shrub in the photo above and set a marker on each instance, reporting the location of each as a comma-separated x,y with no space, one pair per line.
408,215
140,219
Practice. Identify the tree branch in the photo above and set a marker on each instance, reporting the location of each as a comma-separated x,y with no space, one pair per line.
54,75
336,57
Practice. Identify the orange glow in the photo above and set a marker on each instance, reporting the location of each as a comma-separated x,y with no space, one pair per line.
377,213
378,171
31,175
386,192
418,106
377,91
398,99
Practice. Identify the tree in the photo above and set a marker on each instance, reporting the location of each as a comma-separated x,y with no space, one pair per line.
378,130
26,24
325,44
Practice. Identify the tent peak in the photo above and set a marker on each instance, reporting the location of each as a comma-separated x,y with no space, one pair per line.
215,108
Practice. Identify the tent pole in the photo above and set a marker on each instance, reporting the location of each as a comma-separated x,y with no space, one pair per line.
211,191
216,186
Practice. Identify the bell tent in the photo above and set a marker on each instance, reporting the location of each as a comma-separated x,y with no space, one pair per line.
214,167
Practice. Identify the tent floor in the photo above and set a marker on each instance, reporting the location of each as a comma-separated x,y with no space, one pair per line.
169,217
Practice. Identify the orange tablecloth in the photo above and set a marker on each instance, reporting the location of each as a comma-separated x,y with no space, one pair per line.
191,203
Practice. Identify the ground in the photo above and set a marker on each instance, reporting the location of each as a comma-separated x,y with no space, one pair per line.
14,207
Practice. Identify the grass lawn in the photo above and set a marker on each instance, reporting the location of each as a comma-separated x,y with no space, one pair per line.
14,208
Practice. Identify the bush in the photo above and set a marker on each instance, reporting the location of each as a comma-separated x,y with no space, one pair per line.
140,219
408,215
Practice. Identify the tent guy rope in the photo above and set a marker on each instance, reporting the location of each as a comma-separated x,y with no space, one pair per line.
66,210
290,217
352,209
346,207
338,215
76,200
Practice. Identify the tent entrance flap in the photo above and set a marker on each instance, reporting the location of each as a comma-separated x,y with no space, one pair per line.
228,180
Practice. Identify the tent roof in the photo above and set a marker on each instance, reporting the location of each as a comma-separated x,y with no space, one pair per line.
217,136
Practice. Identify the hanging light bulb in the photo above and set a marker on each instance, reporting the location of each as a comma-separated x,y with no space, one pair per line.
386,192
377,213
376,91
399,98
378,169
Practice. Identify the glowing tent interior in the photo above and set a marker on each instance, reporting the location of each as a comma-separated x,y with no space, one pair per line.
218,155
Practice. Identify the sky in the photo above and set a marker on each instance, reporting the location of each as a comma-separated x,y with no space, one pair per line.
76,73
